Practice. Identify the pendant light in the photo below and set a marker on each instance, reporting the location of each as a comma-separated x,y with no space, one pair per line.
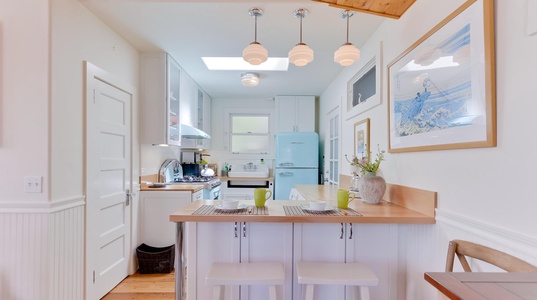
347,54
255,53
301,54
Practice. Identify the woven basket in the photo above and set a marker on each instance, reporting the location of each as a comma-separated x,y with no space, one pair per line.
152,260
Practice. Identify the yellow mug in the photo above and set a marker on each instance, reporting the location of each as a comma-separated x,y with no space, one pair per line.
261,196
344,197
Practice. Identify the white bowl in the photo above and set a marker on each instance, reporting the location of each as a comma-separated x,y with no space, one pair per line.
230,204
317,205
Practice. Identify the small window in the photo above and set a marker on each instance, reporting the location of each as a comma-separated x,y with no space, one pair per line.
250,133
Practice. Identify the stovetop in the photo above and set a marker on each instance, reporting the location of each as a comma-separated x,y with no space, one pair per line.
192,178
209,182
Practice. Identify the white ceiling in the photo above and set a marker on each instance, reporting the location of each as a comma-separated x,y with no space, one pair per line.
188,30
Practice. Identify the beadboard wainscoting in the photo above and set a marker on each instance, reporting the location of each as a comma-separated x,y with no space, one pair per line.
424,248
42,250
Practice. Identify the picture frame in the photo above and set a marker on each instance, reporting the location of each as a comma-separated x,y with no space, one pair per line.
361,138
364,90
441,90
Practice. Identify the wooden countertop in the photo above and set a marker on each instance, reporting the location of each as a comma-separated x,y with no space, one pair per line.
173,187
392,211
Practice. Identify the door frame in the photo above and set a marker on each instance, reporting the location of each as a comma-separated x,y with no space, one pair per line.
327,170
92,72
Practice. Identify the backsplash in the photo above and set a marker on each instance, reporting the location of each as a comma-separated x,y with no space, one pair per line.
152,157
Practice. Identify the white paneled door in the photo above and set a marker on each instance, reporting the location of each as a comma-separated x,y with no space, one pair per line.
108,182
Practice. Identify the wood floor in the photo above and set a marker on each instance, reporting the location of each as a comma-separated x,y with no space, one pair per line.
144,287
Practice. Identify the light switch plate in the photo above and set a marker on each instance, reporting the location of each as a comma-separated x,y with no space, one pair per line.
33,184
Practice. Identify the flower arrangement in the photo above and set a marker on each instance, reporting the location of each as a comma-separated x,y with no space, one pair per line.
364,163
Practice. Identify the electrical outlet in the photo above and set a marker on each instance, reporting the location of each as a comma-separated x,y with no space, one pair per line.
33,184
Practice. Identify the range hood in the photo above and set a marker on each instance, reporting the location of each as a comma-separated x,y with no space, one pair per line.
189,132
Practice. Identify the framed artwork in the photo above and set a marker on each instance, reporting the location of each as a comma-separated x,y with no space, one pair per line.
364,90
441,90
361,138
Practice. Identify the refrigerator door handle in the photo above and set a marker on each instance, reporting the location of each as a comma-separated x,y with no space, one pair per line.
286,164
286,173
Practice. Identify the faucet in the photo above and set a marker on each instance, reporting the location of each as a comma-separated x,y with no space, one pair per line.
249,166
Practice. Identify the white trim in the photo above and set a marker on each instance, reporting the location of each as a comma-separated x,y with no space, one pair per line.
41,207
517,241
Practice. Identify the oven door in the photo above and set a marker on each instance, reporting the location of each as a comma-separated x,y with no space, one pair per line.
212,194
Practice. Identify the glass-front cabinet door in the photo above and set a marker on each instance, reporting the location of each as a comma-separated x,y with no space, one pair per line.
174,79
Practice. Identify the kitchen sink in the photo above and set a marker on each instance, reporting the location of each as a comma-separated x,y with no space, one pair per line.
248,174
253,172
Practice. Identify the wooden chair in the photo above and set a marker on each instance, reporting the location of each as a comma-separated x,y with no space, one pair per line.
497,258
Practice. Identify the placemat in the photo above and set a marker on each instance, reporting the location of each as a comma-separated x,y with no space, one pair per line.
296,210
212,210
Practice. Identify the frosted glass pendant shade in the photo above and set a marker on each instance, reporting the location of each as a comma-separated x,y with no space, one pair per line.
301,55
346,55
255,54
249,79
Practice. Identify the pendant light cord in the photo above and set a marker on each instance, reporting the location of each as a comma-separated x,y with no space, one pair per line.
347,26
255,28
301,17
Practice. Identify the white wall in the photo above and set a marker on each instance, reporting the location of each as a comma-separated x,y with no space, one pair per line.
489,184
219,153
43,46
24,98
77,35
484,194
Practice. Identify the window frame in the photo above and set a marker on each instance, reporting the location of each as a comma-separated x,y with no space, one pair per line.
229,113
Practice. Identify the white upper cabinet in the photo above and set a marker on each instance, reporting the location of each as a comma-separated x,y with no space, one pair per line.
189,99
200,108
160,86
295,113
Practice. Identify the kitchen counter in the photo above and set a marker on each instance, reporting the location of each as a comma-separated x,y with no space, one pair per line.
397,208
377,226
173,187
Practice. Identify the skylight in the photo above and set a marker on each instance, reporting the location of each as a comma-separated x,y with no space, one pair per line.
237,63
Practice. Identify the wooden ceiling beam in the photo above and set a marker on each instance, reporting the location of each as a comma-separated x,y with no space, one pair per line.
385,8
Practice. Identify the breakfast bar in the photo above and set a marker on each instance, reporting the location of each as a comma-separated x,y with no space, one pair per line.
400,205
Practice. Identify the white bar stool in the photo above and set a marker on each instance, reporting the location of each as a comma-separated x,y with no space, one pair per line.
352,274
259,273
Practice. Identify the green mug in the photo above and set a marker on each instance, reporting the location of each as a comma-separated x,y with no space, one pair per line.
261,196
344,197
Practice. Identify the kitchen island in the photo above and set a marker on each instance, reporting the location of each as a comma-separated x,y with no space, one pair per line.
283,232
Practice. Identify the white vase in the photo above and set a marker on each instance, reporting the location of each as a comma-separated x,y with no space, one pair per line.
372,188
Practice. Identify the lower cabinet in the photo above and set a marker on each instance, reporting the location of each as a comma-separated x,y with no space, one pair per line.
372,244
154,216
238,242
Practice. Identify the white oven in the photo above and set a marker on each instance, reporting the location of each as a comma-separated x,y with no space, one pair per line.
212,191
244,189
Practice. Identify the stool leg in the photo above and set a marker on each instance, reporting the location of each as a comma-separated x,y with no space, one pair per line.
309,292
364,292
219,292
272,292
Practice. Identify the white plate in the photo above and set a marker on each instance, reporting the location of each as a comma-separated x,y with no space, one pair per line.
221,207
326,208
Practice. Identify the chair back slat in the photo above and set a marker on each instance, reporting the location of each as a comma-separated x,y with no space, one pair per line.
502,260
